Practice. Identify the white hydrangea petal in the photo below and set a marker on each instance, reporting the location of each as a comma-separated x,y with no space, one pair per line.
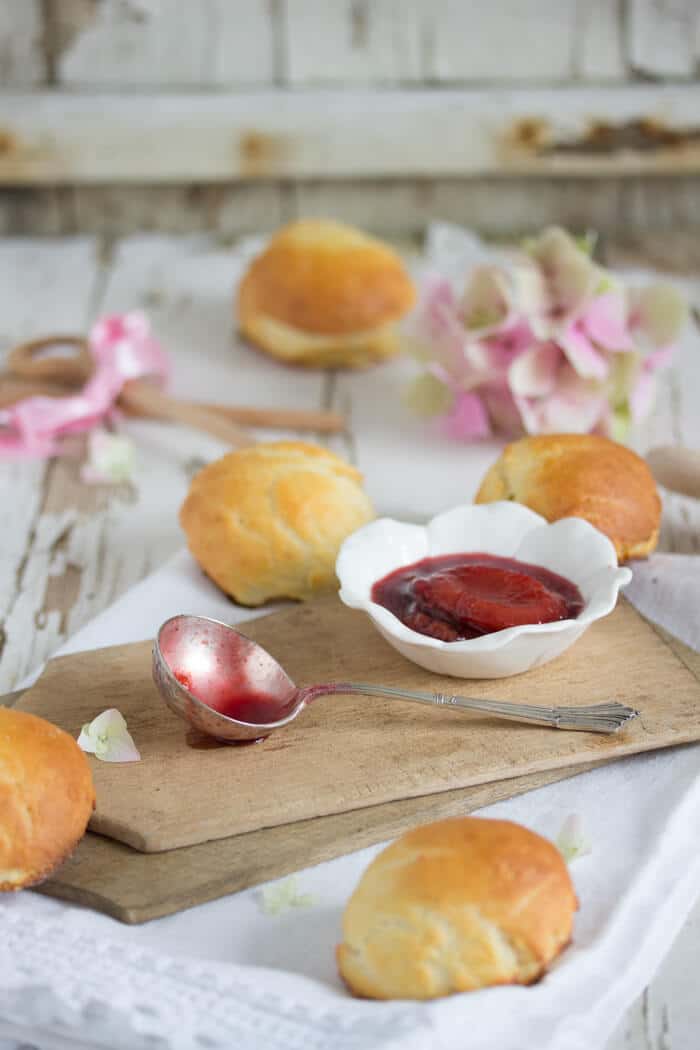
571,841
534,372
108,721
583,356
85,741
108,738
569,274
605,321
283,896
120,748
486,303
110,459
659,313
428,396
531,295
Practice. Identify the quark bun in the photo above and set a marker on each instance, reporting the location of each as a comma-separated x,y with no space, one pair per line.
267,521
581,476
324,294
46,798
454,906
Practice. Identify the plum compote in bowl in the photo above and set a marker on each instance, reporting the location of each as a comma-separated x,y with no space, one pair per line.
521,593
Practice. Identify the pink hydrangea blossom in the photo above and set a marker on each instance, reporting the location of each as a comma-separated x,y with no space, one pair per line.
549,341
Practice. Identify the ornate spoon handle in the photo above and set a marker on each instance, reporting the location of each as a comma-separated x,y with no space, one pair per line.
595,718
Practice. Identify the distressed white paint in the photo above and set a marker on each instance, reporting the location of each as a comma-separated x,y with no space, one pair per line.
598,43
662,37
44,286
167,42
508,40
70,550
355,41
175,138
21,44
216,43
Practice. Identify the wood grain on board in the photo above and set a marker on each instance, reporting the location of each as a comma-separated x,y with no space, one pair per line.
345,753
135,887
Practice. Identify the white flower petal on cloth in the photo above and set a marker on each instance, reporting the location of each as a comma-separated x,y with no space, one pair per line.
281,897
108,738
534,373
658,314
571,840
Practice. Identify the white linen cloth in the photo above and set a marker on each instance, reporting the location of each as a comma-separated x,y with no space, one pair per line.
227,974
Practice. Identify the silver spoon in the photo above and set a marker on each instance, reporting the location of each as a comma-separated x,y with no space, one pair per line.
203,667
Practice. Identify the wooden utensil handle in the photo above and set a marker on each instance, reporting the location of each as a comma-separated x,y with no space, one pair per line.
146,399
13,388
282,418
676,468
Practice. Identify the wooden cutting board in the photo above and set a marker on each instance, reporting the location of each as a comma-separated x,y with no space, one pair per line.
135,887
349,753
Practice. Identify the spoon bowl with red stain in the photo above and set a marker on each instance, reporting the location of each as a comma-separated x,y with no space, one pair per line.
230,688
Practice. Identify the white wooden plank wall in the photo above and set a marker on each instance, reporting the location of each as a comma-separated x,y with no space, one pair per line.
242,113
600,51
22,59
157,43
506,41
166,44
662,37
213,43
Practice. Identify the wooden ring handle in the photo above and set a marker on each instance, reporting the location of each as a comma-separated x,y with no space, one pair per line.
28,360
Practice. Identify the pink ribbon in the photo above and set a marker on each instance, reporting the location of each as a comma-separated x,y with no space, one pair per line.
123,349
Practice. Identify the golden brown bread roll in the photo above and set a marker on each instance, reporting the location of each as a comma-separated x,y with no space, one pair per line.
581,476
267,521
454,906
325,294
46,798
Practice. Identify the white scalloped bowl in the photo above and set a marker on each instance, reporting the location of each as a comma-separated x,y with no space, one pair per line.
571,547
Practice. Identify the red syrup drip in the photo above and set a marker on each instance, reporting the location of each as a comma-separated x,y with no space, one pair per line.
241,702
458,596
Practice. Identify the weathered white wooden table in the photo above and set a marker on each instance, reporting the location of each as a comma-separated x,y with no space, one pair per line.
69,549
